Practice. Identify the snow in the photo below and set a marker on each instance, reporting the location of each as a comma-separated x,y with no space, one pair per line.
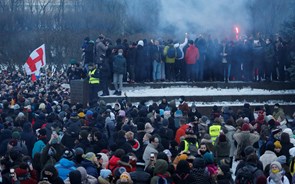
195,91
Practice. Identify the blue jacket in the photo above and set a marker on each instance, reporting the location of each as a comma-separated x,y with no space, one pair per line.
90,168
64,167
119,64
38,146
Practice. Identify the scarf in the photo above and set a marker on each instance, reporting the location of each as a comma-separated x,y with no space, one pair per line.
276,177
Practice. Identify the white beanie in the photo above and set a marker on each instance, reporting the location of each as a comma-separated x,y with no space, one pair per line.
289,131
140,42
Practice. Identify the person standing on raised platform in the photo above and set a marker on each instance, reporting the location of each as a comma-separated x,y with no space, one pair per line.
191,57
119,69
93,82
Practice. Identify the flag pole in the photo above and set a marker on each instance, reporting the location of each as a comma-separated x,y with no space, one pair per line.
46,82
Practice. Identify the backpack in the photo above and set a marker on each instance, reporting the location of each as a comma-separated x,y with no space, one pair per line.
179,54
246,175
171,52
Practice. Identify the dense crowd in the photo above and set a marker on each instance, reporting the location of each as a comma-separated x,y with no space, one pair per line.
252,58
47,139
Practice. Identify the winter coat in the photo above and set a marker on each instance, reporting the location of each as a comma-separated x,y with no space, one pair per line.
84,144
131,57
156,53
165,51
105,69
100,48
64,167
101,180
140,55
147,153
161,167
269,53
229,132
267,158
192,55
222,149
180,132
85,178
183,179
244,139
28,136
119,64
284,181
38,146
90,167
201,175
278,113
139,177
113,163
25,177
111,130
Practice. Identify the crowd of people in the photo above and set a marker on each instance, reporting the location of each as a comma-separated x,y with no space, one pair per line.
47,139
203,59
252,58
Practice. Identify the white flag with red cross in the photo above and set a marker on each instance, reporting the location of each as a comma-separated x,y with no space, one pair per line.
36,60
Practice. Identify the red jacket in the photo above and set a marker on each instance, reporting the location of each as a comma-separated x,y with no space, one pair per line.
113,163
180,132
192,55
26,177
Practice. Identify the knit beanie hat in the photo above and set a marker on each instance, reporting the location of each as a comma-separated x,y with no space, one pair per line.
282,159
277,144
89,156
208,157
16,135
277,164
75,177
182,157
199,162
125,178
81,114
249,150
119,171
42,106
104,173
246,127
68,154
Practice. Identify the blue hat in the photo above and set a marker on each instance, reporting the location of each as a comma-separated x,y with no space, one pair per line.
89,113
178,113
208,157
104,173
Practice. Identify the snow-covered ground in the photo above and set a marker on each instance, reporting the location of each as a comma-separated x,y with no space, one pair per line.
194,91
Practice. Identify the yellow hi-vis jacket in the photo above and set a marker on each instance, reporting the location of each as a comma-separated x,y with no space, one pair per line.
186,145
214,132
93,80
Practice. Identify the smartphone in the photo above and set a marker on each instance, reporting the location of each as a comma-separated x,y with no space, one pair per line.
152,155
11,172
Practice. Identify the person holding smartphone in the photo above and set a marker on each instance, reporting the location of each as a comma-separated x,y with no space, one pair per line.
151,150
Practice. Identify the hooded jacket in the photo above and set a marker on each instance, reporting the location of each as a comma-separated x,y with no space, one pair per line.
192,55
85,178
160,169
64,167
26,177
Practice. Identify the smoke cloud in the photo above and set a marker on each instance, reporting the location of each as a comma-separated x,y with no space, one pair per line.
216,17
